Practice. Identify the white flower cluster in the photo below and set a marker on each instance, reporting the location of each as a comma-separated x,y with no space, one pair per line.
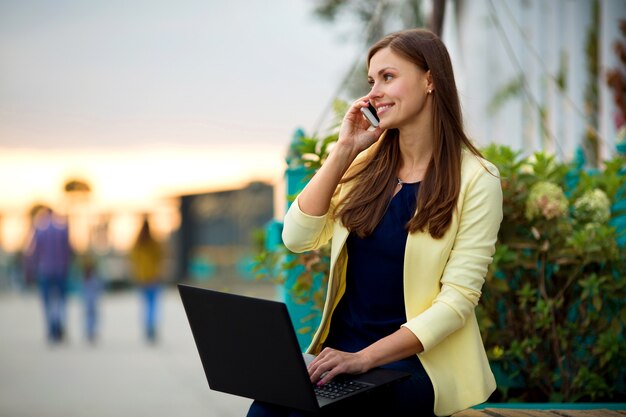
546,199
593,207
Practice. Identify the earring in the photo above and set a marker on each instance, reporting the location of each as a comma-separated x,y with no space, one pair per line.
430,91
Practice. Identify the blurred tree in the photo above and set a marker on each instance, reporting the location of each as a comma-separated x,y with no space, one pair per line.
616,79
436,19
591,142
76,185
379,17
77,192
375,19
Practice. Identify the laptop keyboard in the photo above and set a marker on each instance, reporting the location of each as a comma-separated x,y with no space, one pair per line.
336,389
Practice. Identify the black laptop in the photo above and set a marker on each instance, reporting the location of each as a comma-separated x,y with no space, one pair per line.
248,347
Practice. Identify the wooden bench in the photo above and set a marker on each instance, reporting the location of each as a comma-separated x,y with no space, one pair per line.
521,412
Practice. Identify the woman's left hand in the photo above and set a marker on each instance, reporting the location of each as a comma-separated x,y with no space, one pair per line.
330,363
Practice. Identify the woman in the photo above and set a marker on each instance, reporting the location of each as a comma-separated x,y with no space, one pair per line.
413,212
146,257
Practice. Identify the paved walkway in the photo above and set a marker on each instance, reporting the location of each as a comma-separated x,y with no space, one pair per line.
119,376
122,375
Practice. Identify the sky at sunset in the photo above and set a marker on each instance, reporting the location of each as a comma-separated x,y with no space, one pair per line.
147,99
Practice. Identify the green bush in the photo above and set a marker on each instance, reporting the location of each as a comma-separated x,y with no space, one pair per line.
552,311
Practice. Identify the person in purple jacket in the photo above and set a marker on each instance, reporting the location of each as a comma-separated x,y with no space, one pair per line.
48,257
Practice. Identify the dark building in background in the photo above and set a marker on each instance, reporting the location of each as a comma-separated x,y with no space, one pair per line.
216,231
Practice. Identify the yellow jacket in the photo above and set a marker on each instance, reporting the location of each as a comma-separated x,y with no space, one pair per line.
145,261
442,283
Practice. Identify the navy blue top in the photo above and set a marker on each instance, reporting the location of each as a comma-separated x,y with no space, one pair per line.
372,306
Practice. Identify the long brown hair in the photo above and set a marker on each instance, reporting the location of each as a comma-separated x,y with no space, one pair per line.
374,177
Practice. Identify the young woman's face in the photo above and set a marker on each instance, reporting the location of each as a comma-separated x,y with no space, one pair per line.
399,89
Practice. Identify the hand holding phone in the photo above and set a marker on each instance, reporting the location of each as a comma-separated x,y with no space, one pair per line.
370,114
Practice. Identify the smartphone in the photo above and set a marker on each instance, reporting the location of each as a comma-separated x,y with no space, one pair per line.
370,114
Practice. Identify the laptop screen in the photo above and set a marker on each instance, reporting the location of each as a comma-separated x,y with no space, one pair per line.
248,347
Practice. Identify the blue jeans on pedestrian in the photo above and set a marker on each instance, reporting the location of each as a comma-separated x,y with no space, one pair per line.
92,287
150,295
53,290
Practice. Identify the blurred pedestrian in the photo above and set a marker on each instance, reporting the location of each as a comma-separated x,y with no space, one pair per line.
48,258
92,289
146,258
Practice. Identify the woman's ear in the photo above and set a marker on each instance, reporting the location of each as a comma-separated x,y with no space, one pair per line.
429,81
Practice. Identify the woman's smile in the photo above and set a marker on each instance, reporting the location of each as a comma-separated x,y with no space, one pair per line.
380,109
